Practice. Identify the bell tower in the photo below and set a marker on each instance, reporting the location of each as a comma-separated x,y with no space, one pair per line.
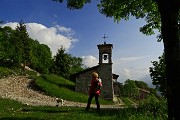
105,70
105,53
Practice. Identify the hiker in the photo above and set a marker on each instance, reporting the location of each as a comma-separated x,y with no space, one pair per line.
94,91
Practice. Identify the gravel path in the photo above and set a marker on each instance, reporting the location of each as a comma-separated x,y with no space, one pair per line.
21,89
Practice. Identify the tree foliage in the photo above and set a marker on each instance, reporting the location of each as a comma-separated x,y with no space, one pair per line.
120,9
130,89
158,75
61,63
8,55
133,88
41,57
75,65
22,42
16,47
74,4
141,84
66,65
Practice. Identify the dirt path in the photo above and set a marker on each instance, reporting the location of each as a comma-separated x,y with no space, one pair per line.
22,89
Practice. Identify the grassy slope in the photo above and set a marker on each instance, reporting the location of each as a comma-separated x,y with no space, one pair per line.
59,87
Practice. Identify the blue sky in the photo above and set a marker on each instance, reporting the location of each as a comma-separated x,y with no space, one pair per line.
80,31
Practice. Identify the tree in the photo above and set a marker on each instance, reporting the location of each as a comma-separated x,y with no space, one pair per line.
65,64
8,56
61,63
40,57
158,75
75,65
75,4
22,43
130,88
163,15
17,47
141,84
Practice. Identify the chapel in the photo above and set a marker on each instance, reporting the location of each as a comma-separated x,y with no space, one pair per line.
104,69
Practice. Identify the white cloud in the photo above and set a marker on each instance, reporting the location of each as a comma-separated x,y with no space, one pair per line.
64,29
130,73
54,37
89,61
129,59
13,25
132,58
134,68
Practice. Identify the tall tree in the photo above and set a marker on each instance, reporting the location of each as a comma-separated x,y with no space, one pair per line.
65,64
62,63
8,56
161,14
75,65
23,43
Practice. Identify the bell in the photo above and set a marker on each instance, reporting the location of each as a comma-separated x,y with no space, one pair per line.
105,57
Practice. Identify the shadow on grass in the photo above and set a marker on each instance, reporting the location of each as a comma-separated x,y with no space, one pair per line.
105,111
116,112
74,110
32,85
70,87
17,118
50,109
45,110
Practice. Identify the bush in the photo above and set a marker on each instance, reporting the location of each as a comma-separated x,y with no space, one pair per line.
154,106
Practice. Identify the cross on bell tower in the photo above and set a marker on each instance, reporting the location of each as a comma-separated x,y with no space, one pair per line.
104,38
105,52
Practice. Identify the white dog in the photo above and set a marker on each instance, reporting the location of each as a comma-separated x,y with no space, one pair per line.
59,102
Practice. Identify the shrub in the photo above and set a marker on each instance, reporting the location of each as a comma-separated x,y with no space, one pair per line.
154,106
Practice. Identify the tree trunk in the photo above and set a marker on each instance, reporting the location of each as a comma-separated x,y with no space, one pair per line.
169,18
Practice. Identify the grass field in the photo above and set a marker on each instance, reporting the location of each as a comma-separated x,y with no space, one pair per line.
13,110
53,85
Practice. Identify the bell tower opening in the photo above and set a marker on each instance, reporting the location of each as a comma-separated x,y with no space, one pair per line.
105,58
105,53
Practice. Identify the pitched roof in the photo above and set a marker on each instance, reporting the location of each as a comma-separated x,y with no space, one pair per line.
88,69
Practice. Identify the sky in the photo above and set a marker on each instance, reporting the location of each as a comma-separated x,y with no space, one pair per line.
80,31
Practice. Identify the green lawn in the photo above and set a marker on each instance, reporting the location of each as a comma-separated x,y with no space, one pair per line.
13,110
